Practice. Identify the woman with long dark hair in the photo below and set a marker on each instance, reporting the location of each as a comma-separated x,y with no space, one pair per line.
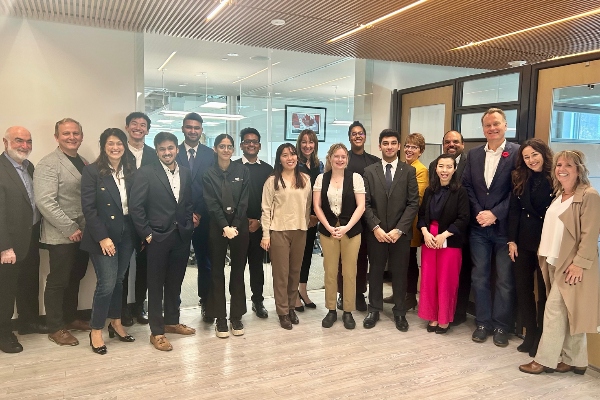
443,220
531,196
286,201
308,161
109,233
226,191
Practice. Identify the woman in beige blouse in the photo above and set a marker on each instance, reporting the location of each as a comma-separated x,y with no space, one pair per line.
285,215
339,202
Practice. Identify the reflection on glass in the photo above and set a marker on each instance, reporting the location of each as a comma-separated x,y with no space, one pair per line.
493,90
429,122
470,125
576,114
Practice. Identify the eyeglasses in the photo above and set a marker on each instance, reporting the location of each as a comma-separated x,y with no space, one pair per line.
353,134
225,146
250,141
411,147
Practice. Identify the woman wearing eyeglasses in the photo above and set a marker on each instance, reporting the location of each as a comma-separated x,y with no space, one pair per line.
226,191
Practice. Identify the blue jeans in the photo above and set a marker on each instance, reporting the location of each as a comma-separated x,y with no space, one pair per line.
496,314
109,284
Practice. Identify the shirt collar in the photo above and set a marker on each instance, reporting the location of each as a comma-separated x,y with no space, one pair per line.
245,160
168,171
16,164
457,159
393,163
501,148
187,148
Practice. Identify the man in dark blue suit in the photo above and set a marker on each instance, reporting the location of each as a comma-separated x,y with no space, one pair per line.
487,178
198,158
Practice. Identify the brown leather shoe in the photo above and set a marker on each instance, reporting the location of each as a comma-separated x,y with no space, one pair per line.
534,368
63,338
562,368
293,317
180,329
160,342
284,321
389,300
79,325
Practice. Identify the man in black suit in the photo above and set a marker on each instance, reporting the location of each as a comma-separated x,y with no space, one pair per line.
487,178
259,172
161,209
453,143
198,158
137,125
358,160
19,238
392,202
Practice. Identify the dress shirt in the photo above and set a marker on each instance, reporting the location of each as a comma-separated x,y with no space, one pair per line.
552,232
394,165
246,161
187,150
137,153
457,159
120,181
174,181
492,158
28,182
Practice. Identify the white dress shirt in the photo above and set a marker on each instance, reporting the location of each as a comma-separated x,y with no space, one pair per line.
187,150
120,181
137,154
174,180
492,159
394,165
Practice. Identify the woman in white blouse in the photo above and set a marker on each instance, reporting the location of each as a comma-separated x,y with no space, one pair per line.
339,203
568,255
285,215
109,234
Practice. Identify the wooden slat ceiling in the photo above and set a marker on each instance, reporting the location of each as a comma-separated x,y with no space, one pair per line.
425,34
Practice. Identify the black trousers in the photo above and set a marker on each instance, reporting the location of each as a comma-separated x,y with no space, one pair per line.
28,302
141,280
201,249
167,261
526,266
464,284
9,274
68,265
396,256
412,274
256,256
311,234
362,267
216,306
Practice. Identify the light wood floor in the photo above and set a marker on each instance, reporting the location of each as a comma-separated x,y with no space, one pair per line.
271,363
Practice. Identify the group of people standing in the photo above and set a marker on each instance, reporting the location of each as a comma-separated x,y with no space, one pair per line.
499,215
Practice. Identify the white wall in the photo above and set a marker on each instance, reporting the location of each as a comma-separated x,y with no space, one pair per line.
49,71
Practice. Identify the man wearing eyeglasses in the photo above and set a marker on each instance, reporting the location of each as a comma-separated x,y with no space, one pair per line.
358,160
198,158
19,238
259,172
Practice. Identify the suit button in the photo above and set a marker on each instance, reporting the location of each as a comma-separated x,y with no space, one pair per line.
102,189
487,194
112,217
108,204
527,215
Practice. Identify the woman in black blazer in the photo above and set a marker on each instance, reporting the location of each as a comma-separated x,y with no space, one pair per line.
531,196
443,220
109,234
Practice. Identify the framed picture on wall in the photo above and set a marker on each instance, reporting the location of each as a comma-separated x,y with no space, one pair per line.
299,118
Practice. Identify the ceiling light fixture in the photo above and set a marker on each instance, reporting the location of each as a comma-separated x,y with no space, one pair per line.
162,67
558,21
256,73
217,9
277,22
320,84
227,117
370,24
574,55
232,54
214,104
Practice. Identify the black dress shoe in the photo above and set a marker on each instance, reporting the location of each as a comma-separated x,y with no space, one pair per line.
205,318
371,319
401,323
140,315
500,338
126,317
329,319
260,310
10,344
361,304
340,302
293,317
431,328
32,327
348,320
480,334
441,331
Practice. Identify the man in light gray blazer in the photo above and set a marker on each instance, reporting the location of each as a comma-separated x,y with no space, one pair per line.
57,188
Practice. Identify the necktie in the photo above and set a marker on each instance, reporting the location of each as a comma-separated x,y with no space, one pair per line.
388,177
192,151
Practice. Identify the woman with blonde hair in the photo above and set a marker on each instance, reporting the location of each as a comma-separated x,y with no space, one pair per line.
339,202
568,256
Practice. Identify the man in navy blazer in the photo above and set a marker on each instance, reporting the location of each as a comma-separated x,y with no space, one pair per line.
198,158
487,178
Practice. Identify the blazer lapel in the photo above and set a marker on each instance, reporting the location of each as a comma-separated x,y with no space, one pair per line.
111,186
162,177
399,171
67,164
14,175
182,183
379,173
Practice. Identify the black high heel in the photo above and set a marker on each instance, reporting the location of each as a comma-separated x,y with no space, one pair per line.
308,305
112,332
102,350
441,331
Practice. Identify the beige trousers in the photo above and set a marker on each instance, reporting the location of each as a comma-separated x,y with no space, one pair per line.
286,251
348,249
557,344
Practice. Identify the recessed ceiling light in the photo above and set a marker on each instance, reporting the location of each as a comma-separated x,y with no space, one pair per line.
224,59
277,92
259,58
232,54
277,22
183,84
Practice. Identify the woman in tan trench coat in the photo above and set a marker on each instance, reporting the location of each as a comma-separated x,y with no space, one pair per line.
568,257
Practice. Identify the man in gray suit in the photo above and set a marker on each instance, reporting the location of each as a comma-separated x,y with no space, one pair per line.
392,202
57,187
